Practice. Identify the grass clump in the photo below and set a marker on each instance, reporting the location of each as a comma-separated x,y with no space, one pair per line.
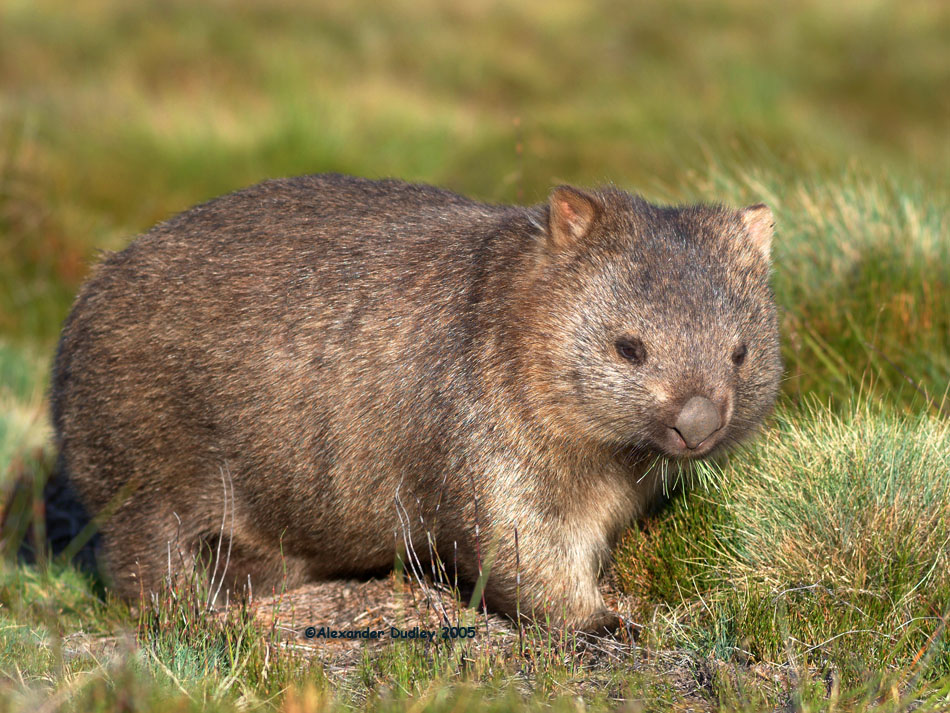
827,545
219,654
62,639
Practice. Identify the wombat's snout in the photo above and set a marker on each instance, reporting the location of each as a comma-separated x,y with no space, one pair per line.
698,419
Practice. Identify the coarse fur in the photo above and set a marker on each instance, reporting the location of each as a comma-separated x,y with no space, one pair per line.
333,364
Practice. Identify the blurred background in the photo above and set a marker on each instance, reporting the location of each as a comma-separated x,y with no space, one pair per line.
115,115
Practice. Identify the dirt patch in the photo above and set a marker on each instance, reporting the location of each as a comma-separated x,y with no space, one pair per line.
336,621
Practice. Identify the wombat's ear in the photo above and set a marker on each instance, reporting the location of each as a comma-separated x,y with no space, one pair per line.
759,222
570,217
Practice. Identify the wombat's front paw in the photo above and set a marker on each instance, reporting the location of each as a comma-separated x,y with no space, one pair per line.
603,623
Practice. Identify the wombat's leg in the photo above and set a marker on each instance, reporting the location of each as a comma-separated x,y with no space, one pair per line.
143,551
557,584
604,622
237,568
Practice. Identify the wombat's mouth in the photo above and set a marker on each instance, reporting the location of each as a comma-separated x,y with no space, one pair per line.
667,442
674,444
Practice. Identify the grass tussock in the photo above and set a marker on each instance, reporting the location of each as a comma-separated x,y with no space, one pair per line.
826,545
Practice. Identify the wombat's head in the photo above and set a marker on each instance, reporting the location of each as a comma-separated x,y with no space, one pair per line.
653,327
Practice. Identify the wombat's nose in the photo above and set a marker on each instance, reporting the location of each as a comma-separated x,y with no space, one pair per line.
697,421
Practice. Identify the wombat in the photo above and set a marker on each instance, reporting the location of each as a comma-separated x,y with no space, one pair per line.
314,374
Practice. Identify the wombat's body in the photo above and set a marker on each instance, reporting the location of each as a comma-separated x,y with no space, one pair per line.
332,365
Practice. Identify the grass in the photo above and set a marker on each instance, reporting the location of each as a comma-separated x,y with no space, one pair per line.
813,577
826,544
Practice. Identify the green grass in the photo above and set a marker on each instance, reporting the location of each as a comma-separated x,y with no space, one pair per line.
813,576
826,544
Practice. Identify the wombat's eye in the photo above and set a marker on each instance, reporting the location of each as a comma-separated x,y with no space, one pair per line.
738,356
631,349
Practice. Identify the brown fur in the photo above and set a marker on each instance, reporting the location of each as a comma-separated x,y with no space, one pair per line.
357,358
